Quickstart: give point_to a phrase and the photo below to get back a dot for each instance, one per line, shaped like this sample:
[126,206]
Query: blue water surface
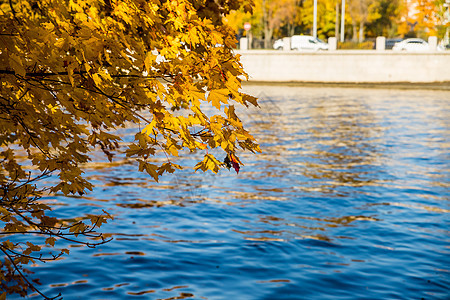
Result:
[348,200]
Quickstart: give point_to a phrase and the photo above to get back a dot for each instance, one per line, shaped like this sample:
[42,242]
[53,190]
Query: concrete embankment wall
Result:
[358,66]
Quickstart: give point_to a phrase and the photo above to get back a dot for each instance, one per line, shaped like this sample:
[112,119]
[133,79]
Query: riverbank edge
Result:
[442,86]
[349,67]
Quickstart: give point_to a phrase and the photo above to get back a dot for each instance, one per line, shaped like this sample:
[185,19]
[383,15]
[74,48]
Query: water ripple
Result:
[349,200]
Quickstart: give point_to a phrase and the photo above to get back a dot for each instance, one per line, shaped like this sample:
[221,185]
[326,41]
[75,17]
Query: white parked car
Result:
[303,43]
[413,44]
[278,44]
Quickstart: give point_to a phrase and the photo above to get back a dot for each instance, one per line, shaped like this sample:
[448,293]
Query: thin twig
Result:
[24,278]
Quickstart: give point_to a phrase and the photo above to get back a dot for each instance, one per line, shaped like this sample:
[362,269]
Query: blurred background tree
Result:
[364,19]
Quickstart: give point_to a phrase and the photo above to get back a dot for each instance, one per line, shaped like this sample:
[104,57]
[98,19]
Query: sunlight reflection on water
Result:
[349,199]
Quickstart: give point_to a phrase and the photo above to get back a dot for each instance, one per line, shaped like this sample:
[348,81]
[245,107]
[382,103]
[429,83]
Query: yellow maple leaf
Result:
[218,96]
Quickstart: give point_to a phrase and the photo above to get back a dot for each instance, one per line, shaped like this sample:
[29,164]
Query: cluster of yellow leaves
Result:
[424,15]
[72,71]
[104,62]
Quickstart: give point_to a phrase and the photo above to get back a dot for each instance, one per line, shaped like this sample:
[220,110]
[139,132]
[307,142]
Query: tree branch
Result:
[26,280]
[65,73]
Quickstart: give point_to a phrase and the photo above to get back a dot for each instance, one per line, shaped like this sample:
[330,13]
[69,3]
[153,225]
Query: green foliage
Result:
[73,71]
[385,16]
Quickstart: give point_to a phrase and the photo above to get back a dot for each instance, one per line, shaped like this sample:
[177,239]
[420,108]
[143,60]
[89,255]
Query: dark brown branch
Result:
[12,9]
[40,258]
[24,278]
[65,73]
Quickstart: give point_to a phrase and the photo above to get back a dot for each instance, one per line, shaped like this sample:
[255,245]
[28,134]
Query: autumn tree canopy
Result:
[72,71]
